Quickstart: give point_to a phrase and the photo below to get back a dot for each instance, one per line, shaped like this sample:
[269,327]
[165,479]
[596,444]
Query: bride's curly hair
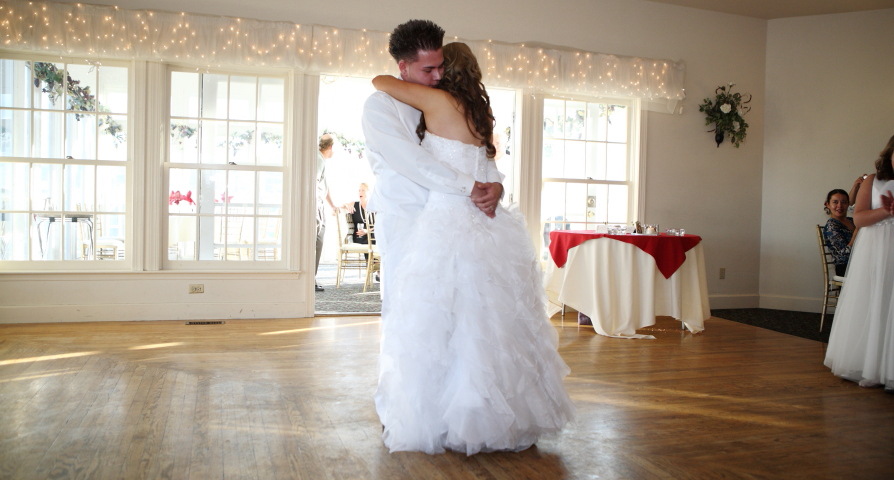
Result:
[883,168]
[462,80]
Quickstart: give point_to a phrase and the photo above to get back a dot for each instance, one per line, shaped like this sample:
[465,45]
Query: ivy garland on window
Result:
[350,145]
[50,80]
[725,112]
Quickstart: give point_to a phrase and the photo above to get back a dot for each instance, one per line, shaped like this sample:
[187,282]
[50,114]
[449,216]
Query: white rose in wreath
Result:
[725,108]
[735,126]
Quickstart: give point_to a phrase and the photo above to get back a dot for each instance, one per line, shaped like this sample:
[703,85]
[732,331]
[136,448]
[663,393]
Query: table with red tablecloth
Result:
[622,282]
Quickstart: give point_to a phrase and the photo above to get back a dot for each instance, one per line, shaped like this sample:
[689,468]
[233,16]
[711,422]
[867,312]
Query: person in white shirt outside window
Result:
[325,153]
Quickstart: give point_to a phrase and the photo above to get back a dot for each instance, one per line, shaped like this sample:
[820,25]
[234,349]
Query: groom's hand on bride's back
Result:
[486,196]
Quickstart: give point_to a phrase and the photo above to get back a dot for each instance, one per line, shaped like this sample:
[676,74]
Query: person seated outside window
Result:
[360,216]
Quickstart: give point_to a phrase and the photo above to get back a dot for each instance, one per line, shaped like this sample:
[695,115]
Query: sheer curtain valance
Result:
[212,42]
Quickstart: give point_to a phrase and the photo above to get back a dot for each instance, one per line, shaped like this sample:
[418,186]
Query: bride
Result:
[469,359]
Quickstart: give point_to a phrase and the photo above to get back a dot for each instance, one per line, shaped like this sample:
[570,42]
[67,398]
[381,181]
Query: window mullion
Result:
[531,158]
[150,225]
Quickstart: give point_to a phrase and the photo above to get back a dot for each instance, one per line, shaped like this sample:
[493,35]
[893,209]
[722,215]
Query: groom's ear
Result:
[403,66]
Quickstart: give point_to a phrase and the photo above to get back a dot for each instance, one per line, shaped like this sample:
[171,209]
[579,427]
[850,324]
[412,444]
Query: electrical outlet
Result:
[722,273]
[196,288]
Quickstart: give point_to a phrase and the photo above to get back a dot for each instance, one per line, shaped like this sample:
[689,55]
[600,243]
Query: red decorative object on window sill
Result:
[177,197]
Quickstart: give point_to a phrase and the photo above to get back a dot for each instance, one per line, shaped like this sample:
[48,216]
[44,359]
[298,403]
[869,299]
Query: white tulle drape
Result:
[95,31]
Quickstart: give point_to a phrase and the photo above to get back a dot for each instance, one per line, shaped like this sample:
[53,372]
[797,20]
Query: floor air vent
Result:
[216,322]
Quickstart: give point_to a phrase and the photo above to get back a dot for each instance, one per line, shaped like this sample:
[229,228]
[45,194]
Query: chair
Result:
[231,231]
[269,239]
[99,247]
[832,282]
[350,254]
[374,262]
[107,248]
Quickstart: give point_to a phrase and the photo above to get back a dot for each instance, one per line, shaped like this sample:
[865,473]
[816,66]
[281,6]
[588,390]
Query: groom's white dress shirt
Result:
[405,173]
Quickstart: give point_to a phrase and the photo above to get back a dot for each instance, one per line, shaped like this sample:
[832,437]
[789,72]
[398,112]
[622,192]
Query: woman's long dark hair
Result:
[462,80]
[883,168]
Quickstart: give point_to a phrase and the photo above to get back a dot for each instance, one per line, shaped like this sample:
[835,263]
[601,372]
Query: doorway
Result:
[341,102]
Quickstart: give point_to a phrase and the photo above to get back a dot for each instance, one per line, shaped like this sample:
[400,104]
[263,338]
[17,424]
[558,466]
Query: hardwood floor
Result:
[293,399]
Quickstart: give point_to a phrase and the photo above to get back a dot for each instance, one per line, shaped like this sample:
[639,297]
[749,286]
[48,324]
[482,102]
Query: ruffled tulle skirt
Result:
[469,359]
[861,344]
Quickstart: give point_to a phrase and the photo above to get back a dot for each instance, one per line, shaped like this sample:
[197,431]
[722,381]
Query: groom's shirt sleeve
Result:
[389,140]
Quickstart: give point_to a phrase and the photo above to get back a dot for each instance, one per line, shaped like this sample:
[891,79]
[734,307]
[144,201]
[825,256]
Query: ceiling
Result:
[770,9]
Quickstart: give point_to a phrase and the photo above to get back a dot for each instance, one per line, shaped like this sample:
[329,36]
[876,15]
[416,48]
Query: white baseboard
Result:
[144,312]
[733,301]
[773,302]
[795,304]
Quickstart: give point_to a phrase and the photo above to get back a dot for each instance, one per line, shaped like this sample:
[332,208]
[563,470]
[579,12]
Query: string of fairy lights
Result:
[213,42]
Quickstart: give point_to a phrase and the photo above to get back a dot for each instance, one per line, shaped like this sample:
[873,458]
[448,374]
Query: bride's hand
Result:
[486,196]
[888,202]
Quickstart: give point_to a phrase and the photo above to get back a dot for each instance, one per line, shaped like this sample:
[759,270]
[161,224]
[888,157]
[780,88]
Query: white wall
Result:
[829,112]
[713,192]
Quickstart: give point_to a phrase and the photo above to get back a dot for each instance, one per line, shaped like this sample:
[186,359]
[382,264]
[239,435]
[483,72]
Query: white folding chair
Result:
[350,255]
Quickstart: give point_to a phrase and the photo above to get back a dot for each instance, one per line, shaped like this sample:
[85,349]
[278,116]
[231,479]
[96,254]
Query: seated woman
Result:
[839,229]
[361,217]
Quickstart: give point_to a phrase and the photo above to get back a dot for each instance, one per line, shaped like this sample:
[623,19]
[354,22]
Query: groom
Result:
[405,172]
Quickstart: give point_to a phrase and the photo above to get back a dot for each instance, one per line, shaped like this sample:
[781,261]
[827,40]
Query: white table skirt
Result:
[621,289]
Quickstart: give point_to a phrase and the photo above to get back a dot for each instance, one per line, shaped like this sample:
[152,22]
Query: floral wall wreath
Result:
[725,113]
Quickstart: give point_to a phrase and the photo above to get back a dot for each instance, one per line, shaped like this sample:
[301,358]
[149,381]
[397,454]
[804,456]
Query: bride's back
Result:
[445,117]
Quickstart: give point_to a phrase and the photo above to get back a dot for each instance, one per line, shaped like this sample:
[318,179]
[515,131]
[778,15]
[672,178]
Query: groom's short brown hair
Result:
[410,37]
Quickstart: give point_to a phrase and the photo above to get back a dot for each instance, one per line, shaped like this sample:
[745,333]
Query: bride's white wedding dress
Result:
[468,357]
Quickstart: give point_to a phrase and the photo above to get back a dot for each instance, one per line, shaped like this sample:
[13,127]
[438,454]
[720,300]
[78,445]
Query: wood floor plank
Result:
[293,456]
[258,398]
[238,455]
[172,459]
[206,460]
[311,461]
[152,407]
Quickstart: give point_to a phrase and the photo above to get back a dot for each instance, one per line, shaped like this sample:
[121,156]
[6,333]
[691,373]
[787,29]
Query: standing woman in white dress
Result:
[469,359]
[861,344]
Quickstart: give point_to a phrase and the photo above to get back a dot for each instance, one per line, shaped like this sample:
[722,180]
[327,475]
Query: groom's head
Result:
[416,47]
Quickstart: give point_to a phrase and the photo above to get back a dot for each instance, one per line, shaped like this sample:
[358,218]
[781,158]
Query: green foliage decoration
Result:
[350,145]
[51,81]
[725,112]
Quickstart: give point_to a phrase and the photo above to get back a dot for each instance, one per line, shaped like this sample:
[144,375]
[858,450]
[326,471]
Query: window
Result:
[63,161]
[225,169]
[588,171]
